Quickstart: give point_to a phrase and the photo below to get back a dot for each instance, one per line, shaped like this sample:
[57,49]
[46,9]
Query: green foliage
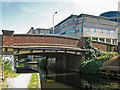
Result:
[43,62]
[34,82]
[94,58]
[8,72]
[7,65]
[107,55]
[90,66]
[108,48]
[92,52]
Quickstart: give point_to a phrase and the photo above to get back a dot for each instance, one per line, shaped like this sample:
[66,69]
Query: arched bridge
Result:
[30,44]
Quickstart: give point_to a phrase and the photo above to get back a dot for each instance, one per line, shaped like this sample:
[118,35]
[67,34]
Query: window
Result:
[80,30]
[101,31]
[57,34]
[42,33]
[94,30]
[72,31]
[67,32]
[38,31]
[108,41]
[87,29]
[63,33]
[114,32]
[101,40]
[94,39]
[108,31]
[114,42]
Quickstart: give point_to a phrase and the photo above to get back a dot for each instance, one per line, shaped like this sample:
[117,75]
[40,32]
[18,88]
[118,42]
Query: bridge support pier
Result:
[72,62]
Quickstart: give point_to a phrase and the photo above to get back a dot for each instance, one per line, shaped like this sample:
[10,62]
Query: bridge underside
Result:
[65,62]
[61,61]
[67,58]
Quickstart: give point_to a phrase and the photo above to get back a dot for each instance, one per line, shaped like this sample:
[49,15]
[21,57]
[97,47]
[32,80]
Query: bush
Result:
[7,65]
[94,58]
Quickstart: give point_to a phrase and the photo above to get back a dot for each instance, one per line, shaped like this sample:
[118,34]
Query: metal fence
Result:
[1,70]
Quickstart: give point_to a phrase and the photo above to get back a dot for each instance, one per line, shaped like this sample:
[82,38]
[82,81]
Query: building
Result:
[98,28]
[111,15]
[114,16]
[40,31]
[101,30]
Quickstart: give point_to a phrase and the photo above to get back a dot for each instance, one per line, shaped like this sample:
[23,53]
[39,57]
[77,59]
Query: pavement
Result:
[21,81]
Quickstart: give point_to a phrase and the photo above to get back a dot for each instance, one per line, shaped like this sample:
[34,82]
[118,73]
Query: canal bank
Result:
[111,67]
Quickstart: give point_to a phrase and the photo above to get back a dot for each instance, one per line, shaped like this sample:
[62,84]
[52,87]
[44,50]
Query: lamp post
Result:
[53,21]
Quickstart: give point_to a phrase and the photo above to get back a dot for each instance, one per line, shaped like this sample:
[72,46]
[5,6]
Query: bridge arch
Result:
[66,50]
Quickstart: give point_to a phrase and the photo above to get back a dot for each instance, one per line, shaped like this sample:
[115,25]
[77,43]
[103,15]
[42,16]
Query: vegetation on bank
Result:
[34,82]
[8,73]
[94,58]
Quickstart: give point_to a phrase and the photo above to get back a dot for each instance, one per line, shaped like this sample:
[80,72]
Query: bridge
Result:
[66,50]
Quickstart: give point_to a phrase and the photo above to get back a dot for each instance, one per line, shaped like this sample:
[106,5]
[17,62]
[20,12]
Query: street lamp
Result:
[53,21]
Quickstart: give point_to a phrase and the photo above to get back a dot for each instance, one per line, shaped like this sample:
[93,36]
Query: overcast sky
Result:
[21,15]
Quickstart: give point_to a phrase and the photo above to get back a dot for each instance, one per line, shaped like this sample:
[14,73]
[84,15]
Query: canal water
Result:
[76,81]
[67,80]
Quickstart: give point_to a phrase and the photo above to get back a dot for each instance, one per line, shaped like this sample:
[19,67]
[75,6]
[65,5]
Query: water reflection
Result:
[64,79]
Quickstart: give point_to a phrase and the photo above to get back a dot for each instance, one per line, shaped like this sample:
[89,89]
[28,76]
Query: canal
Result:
[58,80]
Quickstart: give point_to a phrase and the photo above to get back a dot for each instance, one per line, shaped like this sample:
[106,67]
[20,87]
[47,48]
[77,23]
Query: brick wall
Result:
[21,39]
[7,38]
[103,46]
[44,39]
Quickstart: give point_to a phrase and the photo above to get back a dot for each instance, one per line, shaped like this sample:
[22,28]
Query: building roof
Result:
[110,14]
[41,29]
[82,15]
[71,16]
[92,16]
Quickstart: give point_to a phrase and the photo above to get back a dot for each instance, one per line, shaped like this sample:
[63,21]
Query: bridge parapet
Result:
[10,39]
[44,39]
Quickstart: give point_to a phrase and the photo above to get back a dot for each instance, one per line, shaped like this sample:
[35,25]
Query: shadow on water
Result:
[26,68]
[76,81]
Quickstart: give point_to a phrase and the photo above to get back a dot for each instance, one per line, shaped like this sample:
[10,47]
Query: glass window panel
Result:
[101,31]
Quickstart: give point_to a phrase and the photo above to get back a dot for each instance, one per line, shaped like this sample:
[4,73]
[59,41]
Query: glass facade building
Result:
[99,28]
[111,15]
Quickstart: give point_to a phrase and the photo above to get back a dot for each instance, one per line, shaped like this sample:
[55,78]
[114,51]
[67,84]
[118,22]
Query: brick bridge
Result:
[66,50]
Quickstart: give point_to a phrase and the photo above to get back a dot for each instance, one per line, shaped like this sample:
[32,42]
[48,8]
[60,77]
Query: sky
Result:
[21,15]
